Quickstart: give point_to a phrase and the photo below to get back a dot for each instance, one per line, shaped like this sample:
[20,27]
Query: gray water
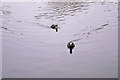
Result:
[31,49]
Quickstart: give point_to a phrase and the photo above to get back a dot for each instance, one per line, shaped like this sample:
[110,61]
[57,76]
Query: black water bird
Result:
[70,45]
[53,26]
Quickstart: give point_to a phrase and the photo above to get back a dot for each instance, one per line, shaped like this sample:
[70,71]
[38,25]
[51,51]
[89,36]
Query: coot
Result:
[70,45]
[53,26]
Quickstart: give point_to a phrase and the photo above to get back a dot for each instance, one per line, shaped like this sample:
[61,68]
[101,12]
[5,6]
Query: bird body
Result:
[70,45]
[53,26]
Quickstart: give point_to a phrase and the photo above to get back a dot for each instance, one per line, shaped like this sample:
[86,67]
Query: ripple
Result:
[6,12]
[88,32]
[57,11]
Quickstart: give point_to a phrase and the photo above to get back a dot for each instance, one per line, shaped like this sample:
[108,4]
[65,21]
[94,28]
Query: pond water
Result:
[31,49]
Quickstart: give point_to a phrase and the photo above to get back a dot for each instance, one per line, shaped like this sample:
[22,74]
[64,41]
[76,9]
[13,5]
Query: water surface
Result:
[31,49]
